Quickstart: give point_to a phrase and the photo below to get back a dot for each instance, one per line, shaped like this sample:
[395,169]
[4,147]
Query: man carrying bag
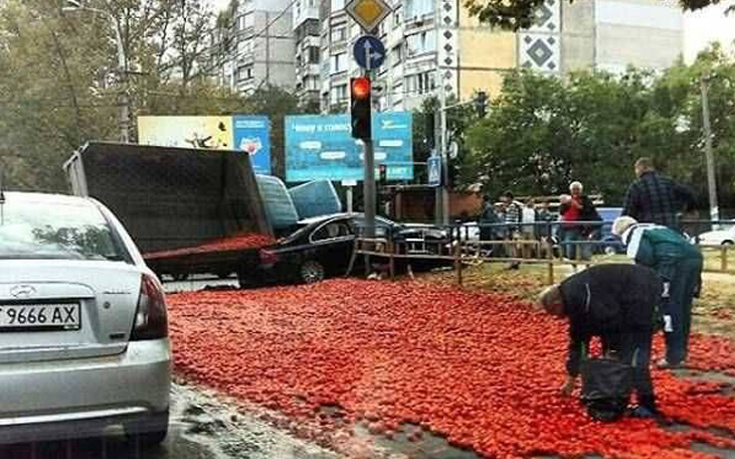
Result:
[616,302]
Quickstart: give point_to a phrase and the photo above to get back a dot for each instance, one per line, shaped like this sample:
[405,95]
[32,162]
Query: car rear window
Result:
[64,230]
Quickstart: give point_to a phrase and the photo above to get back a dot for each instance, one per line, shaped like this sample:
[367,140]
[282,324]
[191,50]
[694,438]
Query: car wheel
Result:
[311,272]
[727,242]
[610,250]
[249,279]
[149,433]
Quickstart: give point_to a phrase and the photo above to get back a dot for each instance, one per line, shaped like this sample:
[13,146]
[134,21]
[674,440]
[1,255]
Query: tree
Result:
[459,118]
[519,14]
[60,81]
[543,132]
[680,88]
[51,92]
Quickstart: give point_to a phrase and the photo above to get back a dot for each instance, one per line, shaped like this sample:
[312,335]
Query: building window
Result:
[396,55]
[397,18]
[244,47]
[339,94]
[311,27]
[418,8]
[420,43]
[421,83]
[339,63]
[311,83]
[313,54]
[339,34]
[245,73]
[246,21]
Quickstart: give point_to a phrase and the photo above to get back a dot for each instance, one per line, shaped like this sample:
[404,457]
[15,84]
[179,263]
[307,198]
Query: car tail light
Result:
[267,257]
[151,321]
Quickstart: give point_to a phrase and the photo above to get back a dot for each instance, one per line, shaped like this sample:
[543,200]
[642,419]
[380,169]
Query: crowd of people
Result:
[624,305]
[510,220]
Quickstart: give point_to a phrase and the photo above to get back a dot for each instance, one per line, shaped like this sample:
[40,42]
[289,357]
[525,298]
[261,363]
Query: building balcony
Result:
[305,15]
[423,21]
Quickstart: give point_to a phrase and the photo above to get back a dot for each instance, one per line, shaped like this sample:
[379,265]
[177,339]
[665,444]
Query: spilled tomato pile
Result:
[481,369]
[240,242]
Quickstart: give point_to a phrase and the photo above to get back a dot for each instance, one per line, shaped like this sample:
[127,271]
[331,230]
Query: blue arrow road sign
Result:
[369,52]
[435,170]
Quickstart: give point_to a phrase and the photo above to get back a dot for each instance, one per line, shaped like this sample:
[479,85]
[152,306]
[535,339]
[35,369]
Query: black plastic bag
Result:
[607,384]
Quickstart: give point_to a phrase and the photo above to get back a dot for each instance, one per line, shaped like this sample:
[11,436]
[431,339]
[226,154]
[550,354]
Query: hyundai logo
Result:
[22,291]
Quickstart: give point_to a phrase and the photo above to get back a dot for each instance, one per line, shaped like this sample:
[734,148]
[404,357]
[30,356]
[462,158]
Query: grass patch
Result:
[713,313]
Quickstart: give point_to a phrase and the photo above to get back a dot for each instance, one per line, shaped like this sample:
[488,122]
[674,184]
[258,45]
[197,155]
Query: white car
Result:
[719,237]
[83,326]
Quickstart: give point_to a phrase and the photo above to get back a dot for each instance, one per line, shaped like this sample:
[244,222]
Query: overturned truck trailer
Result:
[189,211]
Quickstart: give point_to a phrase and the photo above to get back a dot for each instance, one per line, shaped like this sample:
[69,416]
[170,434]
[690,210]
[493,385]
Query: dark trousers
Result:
[569,237]
[683,285]
[634,348]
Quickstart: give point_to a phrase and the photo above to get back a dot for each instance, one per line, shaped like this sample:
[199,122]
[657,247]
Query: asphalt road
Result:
[202,426]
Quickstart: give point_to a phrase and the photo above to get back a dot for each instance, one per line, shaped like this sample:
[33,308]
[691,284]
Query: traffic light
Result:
[361,109]
[382,173]
[481,101]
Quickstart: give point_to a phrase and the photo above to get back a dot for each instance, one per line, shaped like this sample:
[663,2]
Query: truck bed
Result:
[181,206]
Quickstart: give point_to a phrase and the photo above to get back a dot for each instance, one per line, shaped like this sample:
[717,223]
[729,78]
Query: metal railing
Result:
[544,243]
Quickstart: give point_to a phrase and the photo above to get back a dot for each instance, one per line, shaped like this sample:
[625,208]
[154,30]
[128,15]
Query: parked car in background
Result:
[323,247]
[717,237]
[83,326]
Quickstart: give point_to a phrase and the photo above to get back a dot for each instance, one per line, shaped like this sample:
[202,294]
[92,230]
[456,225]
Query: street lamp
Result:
[73,6]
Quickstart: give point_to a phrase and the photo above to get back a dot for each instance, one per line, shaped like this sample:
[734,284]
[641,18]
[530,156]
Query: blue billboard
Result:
[252,135]
[322,147]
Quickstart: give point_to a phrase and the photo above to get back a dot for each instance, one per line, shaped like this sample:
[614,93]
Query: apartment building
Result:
[434,45]
[256,48]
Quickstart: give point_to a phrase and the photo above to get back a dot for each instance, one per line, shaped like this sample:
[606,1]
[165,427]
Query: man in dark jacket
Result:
[656,199]
[616,302]
[679,263]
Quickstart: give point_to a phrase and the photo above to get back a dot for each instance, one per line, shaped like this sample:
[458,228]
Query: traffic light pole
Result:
[369,188]
[369,191]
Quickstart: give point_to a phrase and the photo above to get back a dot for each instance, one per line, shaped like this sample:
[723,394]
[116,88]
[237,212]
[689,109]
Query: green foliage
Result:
[459,118]
[60,82]
[519,14]
[543,132]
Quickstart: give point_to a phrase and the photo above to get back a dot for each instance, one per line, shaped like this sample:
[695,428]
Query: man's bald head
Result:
[643,165]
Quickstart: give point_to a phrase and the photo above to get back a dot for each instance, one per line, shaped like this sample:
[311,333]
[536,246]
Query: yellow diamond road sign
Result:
[368,13]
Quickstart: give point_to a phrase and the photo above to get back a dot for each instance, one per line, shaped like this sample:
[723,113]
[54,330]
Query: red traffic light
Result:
[361,88]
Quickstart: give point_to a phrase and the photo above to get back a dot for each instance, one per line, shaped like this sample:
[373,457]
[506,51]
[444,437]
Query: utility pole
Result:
[711,177]
[267,48]
[124,98]
[441,194]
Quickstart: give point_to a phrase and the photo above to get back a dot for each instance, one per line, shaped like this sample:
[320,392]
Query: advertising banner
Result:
[252,135]
[322,148]
[209,132]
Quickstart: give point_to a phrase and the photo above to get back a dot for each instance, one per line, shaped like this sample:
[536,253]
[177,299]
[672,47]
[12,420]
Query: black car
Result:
[323,246]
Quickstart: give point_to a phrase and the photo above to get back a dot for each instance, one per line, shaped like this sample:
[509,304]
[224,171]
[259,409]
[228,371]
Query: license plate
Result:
[40,317]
